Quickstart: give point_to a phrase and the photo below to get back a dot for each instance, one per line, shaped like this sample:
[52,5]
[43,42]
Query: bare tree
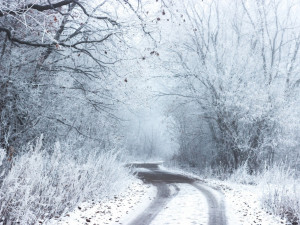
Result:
[239,60]
[58,57]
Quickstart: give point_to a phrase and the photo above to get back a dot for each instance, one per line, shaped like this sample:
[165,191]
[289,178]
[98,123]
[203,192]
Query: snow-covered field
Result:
[118,210]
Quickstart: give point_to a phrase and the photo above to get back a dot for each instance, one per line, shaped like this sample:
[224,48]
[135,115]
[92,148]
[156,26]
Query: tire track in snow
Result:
[162,198]
[161,179]
[216,211]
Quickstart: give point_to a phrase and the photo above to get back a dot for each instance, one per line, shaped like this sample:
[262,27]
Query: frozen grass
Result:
[281,192]
[280,189]
[242,176]
[40,185]
[119,209]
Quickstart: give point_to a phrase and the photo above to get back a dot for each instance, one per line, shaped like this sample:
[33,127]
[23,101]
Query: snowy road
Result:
[170,185]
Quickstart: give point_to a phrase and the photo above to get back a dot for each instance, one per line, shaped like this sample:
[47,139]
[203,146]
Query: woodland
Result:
[86,86]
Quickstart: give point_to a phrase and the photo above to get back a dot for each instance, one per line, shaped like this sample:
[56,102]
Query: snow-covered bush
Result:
[280,188]
[281,192]
[242,175]
[43,185]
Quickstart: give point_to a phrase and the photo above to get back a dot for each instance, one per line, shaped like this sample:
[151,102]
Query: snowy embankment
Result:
[188,206]
[243,204]
[119,209]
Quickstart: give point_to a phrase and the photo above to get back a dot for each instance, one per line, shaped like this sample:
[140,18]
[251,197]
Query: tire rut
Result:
[162,198]
[216,208]
[162,179]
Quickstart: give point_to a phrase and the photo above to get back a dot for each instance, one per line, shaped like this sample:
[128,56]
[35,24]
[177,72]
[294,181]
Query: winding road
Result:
[163,180]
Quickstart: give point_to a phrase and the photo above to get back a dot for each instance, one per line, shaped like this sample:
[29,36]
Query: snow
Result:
[188,207]
[159,162]
[242,202]
[176,170]
[117,210]
[139,170]
[243,206]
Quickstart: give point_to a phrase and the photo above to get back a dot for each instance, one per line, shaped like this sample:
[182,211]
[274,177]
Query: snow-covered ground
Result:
[189,206]
[118,210]
[243,204]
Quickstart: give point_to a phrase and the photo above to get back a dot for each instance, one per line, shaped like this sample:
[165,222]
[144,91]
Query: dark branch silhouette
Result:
[37,7]
[53,44]
[54,6]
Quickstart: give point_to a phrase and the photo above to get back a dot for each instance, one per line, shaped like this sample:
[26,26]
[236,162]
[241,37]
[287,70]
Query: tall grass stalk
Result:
[42,185]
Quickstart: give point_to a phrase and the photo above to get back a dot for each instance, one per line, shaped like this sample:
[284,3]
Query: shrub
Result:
[281,192]
[242,175]
[42,185]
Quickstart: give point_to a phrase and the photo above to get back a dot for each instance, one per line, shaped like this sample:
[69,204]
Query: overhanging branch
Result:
[53,44]
[12,39]
[53,6]
[37,7]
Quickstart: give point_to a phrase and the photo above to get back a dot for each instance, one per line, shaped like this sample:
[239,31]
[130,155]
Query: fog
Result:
[210,85]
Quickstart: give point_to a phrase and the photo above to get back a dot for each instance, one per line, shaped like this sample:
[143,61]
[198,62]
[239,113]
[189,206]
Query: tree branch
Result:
[54,6]
[12,39]
[37,7]
[113,22]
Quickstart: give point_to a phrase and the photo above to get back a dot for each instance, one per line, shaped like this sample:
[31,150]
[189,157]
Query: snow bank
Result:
[243,206]
[244,203]
[119,209]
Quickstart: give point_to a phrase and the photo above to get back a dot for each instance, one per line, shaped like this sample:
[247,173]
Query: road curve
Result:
[162,179]
[216,209]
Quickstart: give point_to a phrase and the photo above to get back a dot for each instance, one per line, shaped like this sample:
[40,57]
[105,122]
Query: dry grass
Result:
[40,186]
